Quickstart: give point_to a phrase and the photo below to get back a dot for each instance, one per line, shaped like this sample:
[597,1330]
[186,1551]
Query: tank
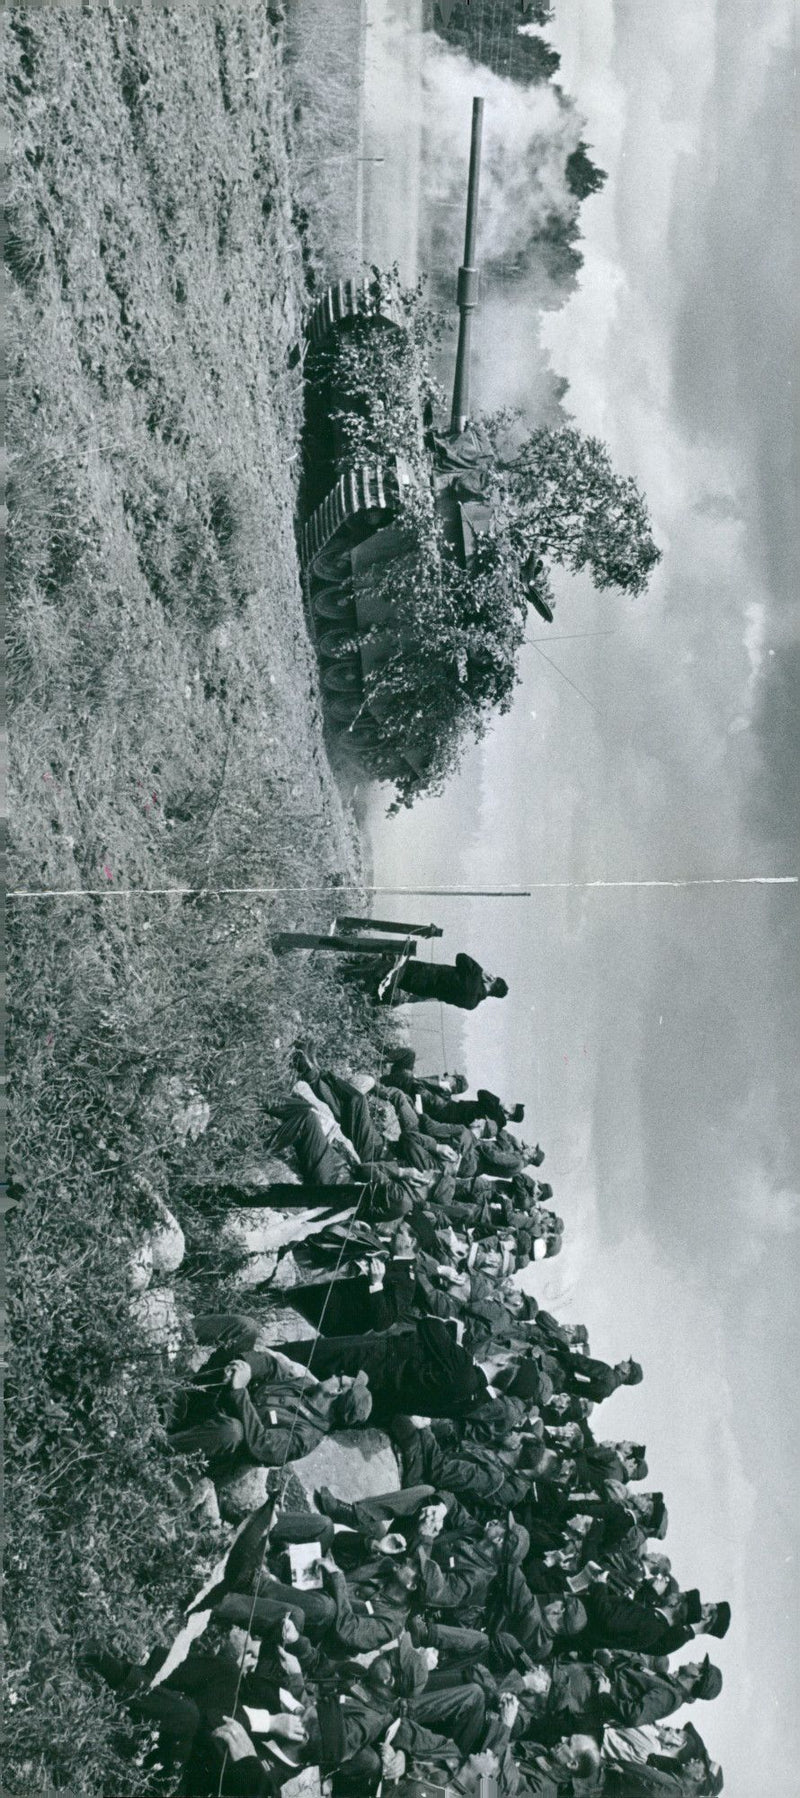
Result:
[373,523]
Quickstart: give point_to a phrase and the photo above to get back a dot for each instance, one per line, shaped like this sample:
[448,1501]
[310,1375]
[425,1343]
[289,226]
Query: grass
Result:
[167,733]
[325,47]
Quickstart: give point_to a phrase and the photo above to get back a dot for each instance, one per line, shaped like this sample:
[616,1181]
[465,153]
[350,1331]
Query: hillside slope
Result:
[166,735]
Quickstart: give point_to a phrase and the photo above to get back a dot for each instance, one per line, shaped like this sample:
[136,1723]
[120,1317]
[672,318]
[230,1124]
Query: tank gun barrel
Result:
[467,290]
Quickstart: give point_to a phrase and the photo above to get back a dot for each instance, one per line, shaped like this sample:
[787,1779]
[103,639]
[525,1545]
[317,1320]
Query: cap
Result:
[709,1681]
[356,1405]
[694,1742]
[721,1621]
[379,1675]
[657,1525]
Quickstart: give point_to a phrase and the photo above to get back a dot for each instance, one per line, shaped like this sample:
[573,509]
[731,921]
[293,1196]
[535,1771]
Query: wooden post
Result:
[342,925]
[287,940]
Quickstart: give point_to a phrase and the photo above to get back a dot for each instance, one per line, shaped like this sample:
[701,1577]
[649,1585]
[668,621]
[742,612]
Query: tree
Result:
[533,58]
[472,625]
[498,33]
[583,175]
[568,506]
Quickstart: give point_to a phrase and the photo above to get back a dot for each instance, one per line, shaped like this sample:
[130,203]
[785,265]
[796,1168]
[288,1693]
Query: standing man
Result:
[462,983]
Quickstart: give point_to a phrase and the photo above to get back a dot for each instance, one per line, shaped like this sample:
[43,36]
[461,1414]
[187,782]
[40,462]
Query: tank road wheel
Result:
[342,711]
[343,677]
[364,735]
[334,646]
[334,605]
[332,564]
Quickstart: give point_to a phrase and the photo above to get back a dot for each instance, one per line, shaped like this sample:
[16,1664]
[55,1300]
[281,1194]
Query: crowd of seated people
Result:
[503,1619]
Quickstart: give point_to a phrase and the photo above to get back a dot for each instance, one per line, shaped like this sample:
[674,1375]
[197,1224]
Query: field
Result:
[166,735]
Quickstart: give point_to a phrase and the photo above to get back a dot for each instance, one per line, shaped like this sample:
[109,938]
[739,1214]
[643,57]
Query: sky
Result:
[654,1033]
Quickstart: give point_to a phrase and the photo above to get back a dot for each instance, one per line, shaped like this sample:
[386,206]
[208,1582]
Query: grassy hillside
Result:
[325,51]
[167,734]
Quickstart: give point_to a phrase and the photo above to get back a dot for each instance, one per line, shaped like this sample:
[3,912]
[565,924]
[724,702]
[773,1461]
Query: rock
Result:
[241,1493]
[254,1270]
[364,1082]
[354,1463]
[282,1326]
[270,1171]
[281,1273]
[157,1316]
[257,1231]
[140,1267]
[204,1503]
[167,1243]
[287,1274]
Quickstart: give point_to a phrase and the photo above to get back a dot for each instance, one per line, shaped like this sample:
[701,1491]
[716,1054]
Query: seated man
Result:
[415,1368]
[420,1139]
[262,1404]
[399,1071]
[662,1749]
[342,1101]
[482,1477]
[614,1621]
[501,1157]
[341,1731]
[351,1613]
[338,1144]
[550,1773]
[416,1511]
[643,1693]
[595,1380]
[351,1109]
[466,1111]
[191,1710]
[560,1697]
[382,1187]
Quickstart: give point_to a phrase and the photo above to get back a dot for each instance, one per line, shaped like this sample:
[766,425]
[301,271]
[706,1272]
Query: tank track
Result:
[350,300]
[378,487]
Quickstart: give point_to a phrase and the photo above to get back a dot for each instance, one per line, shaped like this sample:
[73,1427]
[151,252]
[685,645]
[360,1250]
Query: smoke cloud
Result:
[528,134]
[415,146]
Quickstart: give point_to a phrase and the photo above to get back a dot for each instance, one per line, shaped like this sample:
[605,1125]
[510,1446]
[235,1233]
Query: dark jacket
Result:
[411,1369]
[588,1378]
[617,1622]
[459,983]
